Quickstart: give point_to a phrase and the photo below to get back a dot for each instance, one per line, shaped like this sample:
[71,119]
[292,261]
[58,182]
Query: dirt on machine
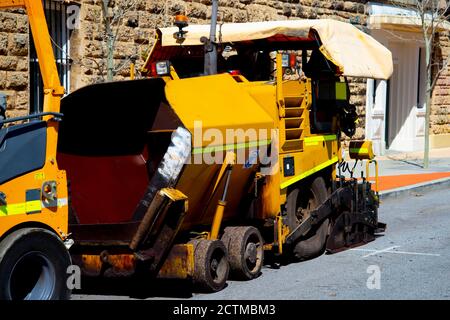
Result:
[225,153]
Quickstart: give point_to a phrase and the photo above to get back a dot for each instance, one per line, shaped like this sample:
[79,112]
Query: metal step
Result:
[292,145]
[293,134]
[294,112]
[293,101]
[291,123]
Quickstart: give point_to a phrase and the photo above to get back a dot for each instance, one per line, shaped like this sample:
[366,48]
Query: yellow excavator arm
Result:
[41,37]
[53,91]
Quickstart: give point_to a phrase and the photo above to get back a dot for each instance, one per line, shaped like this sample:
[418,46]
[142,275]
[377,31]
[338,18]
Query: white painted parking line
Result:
[380,251]
[417,253]
[389,250]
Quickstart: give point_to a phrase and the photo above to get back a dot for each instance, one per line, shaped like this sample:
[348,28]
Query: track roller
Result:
[245,251]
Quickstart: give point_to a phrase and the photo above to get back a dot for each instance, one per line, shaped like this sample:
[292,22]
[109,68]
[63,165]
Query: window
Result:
[421,79]
[329,96]
[56,16]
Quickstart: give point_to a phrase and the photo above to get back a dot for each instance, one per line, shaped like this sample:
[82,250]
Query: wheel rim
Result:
[303,211]
[33,277]
[218,266]
[253,253]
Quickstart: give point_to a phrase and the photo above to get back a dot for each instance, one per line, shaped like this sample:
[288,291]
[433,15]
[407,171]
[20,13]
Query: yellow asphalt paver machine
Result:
[228,151]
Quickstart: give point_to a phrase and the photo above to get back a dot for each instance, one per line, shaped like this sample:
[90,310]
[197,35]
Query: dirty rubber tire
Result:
[33,266]
[211,266]
[313,244]
[245,252]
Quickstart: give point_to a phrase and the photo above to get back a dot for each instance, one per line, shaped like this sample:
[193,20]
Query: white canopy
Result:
[355,53]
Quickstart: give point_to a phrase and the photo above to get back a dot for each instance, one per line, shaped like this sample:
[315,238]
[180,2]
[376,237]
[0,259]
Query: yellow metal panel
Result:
[231,147]
[197,182]
[179,264]
[294,88]
[309,172]
[173,194]
[341,91]
[361,150]
[271,198]
[15,211]
[265,95]
[315,140]
[220,103]
[279,84]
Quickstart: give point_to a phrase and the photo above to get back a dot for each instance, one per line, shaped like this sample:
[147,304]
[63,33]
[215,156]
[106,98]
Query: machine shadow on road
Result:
[135,288]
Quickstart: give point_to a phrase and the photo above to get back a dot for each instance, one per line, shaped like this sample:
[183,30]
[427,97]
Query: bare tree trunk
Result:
[110,59]
[428,37]
[429,91]
[109,41]
[426,155]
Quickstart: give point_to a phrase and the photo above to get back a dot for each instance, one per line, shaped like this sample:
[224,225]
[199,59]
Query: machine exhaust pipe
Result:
[210,44]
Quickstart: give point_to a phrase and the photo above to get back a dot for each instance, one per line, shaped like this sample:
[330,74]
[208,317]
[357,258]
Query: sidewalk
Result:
[404,171]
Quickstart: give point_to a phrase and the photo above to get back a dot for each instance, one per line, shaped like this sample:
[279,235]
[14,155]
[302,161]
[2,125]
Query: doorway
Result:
[405,98]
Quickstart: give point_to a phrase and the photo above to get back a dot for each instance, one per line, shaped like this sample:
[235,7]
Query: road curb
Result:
[415,188]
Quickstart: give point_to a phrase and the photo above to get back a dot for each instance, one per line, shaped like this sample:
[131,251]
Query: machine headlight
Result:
[162,68]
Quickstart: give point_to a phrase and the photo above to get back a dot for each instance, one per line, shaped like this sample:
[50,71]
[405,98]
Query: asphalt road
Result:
[411,261]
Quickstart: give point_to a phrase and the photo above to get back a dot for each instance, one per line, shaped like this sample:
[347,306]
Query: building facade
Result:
[392,113]
[396,109]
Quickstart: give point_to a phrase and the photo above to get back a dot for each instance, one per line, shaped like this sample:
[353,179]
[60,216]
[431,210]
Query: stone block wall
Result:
[136,35]
[440,109]
[14,45]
